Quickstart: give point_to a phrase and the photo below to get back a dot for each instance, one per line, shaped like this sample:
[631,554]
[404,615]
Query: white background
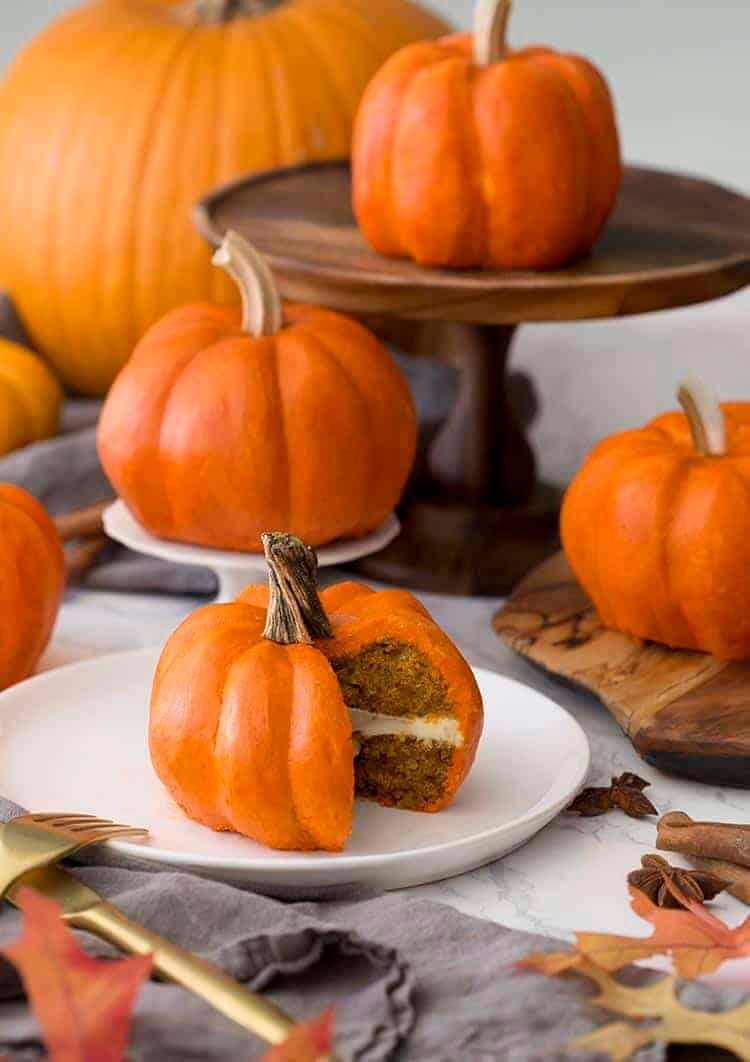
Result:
[680,71]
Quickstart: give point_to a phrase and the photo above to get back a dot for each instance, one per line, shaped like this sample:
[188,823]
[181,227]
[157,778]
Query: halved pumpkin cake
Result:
[414,703]
[270,712]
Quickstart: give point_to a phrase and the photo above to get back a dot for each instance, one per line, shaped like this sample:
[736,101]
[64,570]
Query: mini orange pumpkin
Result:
[466,154]
[216,429]
[32,571]
[656,527]
[249,730]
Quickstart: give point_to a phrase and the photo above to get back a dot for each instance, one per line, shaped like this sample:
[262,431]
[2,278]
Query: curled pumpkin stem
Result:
[490,30]
[705,417]
[262,313]
[295,612]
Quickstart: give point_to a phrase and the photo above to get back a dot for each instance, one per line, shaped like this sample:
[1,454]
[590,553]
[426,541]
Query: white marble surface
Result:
[571,876]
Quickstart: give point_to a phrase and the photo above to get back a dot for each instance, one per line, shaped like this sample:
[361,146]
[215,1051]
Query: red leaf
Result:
[83,1005]
[307,1042]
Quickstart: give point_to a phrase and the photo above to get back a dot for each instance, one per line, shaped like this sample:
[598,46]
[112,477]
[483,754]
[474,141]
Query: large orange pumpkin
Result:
[467,154]
[218,429]
[120,114]
[249,728]
[656,527]
[32,574]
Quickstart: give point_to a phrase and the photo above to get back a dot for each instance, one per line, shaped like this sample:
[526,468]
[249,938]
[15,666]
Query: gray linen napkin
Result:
[410,979]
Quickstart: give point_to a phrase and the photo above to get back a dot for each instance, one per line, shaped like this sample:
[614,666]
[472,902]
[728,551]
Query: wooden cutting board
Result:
[685,713]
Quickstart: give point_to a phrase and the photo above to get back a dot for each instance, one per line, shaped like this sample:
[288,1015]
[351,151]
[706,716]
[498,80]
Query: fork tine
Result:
[108,828]
[127,831]
[74,824]
[57,817]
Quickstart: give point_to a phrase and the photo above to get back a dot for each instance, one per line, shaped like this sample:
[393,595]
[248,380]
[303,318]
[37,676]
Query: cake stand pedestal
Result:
[474,519]
[234,570]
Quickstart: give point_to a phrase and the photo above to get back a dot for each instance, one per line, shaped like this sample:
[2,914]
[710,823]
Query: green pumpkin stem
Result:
[295,612]
[262,313]
[490,30]
[705,417]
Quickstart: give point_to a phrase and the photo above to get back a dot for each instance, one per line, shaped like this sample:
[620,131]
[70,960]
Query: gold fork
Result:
[29,840]
[30,846]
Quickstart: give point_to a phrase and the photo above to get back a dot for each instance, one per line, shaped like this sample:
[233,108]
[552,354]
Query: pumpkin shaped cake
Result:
[267,714]
[656,527]
[467,154]
[296,418]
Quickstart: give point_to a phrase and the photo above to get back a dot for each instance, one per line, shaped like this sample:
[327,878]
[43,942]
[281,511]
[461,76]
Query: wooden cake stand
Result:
[474,519]
[686,713]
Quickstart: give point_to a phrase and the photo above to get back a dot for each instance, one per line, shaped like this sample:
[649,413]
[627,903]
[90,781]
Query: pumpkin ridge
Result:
[674,487]
[394,223]
[436,68]
[307,340]
[355,20]
[162,425]
[13,356]
[71,133]
[373,450]
[330,69]
[15,403]
[146,168]
[285,468]
[309,108]
[153,241]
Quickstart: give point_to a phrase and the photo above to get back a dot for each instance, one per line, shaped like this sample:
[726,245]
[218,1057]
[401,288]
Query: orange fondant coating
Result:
[212,436]
[255,737]
[659,535]
[515,165]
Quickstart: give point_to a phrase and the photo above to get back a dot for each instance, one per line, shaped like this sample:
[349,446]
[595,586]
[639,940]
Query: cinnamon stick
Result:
[736,877]
[723,841]
[82,522]
[81,557]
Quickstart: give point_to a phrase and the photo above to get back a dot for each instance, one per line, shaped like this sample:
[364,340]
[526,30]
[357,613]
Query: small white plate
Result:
[76,739]
[235,570]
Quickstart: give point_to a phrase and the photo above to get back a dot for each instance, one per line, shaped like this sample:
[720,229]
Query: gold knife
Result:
[85,909]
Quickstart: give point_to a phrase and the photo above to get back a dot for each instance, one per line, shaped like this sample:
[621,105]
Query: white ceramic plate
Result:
[75,739]
[233,569]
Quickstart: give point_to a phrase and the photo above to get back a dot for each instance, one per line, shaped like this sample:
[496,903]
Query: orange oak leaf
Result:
[309,1041]
[83,1005]
[697,941]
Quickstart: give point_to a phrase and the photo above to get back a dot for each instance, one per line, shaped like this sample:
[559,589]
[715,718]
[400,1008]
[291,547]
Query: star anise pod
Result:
[655,872]
[625,792]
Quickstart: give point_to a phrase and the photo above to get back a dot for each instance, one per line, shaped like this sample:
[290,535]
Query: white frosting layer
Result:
[444,728]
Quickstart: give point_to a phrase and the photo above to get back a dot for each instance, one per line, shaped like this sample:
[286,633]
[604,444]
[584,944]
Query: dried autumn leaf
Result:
[697,941]
[674,1023]
[307,1042]
[83,1005]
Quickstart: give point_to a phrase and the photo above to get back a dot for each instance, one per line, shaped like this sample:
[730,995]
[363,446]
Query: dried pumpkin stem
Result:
[490,30]
[262,314]
[295,612]
[705,417]
[215,11]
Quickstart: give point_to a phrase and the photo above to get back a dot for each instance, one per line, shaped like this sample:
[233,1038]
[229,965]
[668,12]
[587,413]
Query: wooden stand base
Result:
[467,549]
[474,520]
